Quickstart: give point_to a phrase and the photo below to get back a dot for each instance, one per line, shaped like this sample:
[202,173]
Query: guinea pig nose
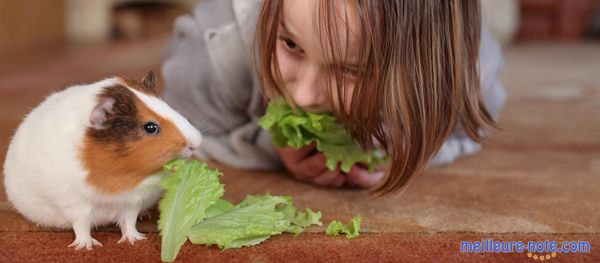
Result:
[192,146]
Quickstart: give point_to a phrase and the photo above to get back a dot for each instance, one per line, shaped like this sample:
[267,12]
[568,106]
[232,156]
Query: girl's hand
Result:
[307,165]
[359,176]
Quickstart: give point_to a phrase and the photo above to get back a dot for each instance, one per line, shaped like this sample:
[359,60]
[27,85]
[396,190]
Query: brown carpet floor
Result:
[538,179]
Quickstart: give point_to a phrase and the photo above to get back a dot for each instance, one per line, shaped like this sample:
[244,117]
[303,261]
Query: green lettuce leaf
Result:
[300,220]
[351,230]
[219,207]
[190,189]
[191,208]
[250,222]
[297,128]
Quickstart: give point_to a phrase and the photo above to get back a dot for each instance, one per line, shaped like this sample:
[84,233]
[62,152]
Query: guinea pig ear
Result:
[149,80]
[101,112]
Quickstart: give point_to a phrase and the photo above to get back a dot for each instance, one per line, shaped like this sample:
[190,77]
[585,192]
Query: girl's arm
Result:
[458,144]
[209,79]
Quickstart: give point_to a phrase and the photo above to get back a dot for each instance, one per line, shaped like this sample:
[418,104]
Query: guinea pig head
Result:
[132,134]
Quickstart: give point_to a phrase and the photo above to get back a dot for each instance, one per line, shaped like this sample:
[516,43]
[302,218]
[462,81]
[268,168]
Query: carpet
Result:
[536,179]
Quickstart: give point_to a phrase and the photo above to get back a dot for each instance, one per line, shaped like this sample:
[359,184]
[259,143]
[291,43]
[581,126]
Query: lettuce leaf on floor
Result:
[351,230]
[191,207]
[189,190]
[250,222]
[300,220]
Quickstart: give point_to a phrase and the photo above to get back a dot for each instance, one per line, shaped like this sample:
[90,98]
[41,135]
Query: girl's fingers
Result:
[312,166]
[362,178]
[298,164]
[296,154]
[341,180]
[327,178]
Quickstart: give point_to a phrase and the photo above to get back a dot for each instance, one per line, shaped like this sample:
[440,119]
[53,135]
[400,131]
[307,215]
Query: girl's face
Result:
[302,59]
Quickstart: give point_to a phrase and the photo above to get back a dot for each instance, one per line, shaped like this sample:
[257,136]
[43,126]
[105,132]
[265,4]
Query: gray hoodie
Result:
[209,79]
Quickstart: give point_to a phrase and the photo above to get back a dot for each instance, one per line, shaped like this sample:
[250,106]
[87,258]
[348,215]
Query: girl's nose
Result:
[309,91]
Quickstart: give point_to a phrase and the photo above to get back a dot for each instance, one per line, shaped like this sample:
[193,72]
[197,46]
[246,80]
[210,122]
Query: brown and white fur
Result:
[89,155]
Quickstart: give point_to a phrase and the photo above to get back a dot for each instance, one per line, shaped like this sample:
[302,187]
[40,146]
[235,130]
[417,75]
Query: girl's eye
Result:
[349,71]
[290,44]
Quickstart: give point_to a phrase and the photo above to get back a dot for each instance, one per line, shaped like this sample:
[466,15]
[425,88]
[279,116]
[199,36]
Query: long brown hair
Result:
[418,75]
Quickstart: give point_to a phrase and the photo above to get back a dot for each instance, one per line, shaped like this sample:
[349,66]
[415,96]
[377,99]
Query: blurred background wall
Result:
[38,24]
[558,19]
[25,24]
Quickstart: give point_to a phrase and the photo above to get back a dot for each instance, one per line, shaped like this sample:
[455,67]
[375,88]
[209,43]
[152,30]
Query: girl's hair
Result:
[417,75]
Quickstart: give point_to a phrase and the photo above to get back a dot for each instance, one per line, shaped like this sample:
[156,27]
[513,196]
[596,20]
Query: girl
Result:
[405,74]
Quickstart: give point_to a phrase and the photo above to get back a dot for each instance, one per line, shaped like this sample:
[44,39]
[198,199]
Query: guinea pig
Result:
[92,154]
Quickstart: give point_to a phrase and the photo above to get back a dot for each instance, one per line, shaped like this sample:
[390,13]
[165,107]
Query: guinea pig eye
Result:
[151,128]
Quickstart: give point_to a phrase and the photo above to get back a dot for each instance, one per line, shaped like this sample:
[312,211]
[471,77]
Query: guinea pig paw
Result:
[145,214]
[86,243]
[131,237]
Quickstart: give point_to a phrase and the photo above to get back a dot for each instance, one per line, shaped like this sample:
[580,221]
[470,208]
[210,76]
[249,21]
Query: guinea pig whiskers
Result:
[202,129]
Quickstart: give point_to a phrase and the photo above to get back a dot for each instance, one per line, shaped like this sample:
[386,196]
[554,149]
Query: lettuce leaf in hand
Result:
[190,189]
[250,222]
[298,128]
[351,230]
